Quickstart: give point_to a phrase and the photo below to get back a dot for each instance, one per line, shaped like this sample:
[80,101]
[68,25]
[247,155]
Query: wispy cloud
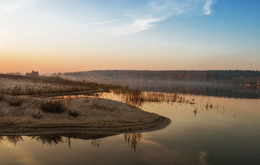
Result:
[207,8]
[136,25]
[149,15]
[106,22]
[13,5]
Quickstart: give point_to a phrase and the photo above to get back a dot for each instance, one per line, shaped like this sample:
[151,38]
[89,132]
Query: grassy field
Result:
[42,85]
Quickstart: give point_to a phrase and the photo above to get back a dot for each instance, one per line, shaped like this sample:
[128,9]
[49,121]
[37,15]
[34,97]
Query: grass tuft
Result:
[37,114]
[16,101]
[53,107]
[2,97]
[73,113]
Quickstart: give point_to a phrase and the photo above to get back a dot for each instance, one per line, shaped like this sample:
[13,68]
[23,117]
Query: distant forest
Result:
[215,76]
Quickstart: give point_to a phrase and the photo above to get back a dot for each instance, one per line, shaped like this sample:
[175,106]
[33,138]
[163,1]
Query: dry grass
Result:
[73,113]
[45,85]
[52,107]
[15,101]
[2,97]
[37,114]
[96,102]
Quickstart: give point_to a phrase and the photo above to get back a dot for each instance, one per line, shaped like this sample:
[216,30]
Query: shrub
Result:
[16,91]
[2,97]
[16,101]
[37,114]
[53,107]
[73,113]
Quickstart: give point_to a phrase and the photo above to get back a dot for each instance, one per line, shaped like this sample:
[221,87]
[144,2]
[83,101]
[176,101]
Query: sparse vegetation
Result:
[37,114]
[53,107]
[15,101]
[50,86]
[2,97]
[16,91]
[96,102]
[133,97]
[49,139]
[73,113]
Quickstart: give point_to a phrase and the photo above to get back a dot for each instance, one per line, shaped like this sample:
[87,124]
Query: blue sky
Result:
[129,34]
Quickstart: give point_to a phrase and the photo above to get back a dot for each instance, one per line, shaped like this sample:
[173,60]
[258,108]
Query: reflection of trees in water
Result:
[133,139]
[14,139]
[95,142]
[11,139]
[2,139]
[49,139]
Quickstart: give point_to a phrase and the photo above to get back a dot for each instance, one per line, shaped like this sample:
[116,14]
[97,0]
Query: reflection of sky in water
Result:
[228,134]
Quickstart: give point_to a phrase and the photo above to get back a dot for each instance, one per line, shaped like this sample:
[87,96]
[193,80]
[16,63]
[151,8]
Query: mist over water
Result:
[183,87]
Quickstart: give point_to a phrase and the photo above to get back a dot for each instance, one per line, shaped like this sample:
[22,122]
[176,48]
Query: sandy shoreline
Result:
[78,115]
[95,115]
[82,129]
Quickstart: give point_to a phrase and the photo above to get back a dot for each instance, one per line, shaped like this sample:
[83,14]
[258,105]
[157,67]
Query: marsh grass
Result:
[52,107]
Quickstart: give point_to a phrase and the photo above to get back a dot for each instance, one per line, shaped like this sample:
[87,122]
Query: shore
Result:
[25,114]
[94,115]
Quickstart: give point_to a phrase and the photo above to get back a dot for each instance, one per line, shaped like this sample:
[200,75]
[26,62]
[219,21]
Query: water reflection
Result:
[133,139]
[11,139]
[223,131]
[95,142]
[138,99]
[186,87]
[49,139]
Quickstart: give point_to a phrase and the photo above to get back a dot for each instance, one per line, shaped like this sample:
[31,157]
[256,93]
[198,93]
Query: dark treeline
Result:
[222,76]
[236,84]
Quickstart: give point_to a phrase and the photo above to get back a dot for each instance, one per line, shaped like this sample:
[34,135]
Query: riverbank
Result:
[45,114]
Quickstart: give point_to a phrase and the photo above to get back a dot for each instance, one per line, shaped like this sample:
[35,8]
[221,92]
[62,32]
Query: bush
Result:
[16,101]
[73,113]
[37,114]
[53,107]
[2,97]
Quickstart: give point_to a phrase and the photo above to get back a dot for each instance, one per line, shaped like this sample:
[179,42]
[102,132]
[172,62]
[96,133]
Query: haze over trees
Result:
[216,76]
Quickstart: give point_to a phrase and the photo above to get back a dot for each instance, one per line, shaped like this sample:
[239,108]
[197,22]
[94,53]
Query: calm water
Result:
[226,132]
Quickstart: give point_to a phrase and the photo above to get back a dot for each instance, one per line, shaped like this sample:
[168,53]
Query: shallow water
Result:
[227,132]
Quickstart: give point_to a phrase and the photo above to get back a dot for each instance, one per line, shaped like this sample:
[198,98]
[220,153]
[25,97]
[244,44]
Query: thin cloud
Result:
[13,5]
[106,22]
[149,15]
[137,25]
[207,8]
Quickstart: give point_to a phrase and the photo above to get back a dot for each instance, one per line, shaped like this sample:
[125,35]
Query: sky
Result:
[80,35]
